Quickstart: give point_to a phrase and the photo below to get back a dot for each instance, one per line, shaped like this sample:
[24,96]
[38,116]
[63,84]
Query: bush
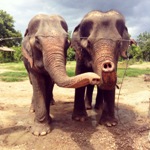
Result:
[70,54]
[17,54]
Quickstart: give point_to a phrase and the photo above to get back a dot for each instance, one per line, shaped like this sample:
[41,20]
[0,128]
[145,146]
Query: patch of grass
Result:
[17,72]
[14,72]
[70,72]
[70,67]
[13,76]
[13,66]
[132,72]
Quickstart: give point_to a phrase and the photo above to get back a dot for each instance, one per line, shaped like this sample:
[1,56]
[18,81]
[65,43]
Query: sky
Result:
[136,12]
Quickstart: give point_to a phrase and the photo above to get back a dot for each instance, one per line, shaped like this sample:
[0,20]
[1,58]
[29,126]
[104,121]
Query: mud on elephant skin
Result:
[99,40]
[44,50]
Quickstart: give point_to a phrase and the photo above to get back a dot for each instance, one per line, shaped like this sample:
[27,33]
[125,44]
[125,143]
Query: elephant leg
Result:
[88,96]
[99,99]
[108,114]
[79,112]
[52,102]
[49,92]
[41,105]
[49,89]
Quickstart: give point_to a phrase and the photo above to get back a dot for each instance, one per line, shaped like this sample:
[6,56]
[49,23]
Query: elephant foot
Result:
[108,121]
[96,107]
[79,116]
[40,129]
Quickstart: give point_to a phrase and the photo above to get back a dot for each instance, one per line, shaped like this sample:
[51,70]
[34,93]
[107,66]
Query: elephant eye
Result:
[119,43]
[88,44]
[37,43]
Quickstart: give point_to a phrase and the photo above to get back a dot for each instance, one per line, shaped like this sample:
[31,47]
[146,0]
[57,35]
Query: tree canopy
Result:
[7,30]
[144,43]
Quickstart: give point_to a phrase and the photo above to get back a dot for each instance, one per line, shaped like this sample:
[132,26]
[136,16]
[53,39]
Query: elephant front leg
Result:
[108,114]
[79,112]
[41,105]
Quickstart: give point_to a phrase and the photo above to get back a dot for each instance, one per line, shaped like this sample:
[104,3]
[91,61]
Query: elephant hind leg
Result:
[88,96]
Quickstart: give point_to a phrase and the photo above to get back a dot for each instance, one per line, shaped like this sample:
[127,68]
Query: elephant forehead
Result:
[103,14]
[112,13]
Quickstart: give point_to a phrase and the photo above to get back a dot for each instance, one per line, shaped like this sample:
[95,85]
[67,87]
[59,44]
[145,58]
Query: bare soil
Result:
[132,132]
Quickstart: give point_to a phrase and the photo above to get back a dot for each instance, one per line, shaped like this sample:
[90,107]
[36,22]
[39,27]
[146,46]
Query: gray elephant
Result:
[99,40]
[44,50]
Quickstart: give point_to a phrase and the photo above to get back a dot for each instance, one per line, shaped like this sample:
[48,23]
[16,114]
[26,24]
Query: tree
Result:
[70,51]
[135,52]
[144,43]
[8,35]
[7,30]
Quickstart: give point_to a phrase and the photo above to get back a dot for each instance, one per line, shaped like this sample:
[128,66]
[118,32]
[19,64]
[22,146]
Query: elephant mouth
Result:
[109,80]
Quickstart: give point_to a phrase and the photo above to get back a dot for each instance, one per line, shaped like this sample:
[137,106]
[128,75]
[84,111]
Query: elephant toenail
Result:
[43,133]
[108,124]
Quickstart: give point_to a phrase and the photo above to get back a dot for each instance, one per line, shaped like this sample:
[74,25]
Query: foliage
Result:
[144,44]
[17,53]
[70,54]
[9,36]
[7,30]
[70,51]
[135,52]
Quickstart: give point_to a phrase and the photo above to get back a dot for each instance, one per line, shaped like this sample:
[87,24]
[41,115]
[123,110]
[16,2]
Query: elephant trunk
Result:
[54,62]
[105,66]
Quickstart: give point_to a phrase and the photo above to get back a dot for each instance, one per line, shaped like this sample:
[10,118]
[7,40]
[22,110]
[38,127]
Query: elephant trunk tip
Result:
[94,79]
[80,80]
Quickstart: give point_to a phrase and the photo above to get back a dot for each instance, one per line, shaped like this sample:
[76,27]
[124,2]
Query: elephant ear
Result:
[125,43]
[26,49]
[75,42]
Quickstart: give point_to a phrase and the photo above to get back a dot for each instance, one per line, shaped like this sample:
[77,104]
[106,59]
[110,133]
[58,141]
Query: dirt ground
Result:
[132,132]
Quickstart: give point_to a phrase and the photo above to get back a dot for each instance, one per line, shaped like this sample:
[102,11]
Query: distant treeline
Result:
[139,52]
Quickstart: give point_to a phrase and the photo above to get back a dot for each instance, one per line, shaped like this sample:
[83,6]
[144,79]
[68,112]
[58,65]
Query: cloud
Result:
[136,12]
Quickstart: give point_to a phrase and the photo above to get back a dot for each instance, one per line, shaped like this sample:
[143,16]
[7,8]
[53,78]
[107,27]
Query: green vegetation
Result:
[140,52]
[132,72]
[10,38]
[10,76]
[14,72]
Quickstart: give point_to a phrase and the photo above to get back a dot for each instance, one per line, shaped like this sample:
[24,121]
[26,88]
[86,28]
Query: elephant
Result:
[99,40]
[44,49]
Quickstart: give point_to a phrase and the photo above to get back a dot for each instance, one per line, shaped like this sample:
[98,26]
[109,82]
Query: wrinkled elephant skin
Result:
[44,50]
[99,40]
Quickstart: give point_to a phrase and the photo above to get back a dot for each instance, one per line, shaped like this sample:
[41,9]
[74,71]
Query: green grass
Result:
[14,72]
[13,66]
[132,72]
[13,76]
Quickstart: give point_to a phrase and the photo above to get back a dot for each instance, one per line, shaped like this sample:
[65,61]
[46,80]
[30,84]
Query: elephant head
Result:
[99,40]
[44,47]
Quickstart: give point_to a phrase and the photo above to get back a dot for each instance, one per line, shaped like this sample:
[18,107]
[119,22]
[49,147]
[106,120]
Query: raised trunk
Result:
[54,62]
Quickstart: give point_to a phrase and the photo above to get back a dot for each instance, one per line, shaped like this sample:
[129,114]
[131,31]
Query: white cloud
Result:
[136,12]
